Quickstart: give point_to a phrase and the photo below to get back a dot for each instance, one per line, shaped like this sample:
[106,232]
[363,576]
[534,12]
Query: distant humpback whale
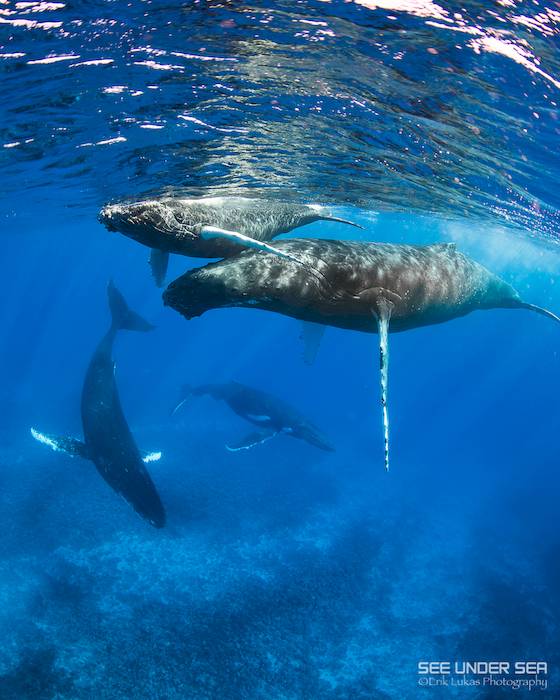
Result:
[108,442]
[271,415]
[186,226]
[369,287]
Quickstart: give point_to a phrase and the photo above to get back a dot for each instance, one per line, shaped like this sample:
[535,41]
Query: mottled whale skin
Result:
[174,225]
[270,414]
[108,441]
[371,287]
[177,225]
[338,283]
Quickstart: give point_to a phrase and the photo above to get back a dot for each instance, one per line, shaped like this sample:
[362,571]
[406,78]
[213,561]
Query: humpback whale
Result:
[271,415]
[370,287]
[188,226]
[108,442]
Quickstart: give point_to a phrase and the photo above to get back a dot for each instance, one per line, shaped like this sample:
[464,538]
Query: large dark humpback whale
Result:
[367,287]
[271,415]
[187,226]
[108,442]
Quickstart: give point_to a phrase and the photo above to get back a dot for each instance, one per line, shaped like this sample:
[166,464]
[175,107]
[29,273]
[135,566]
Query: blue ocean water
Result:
[284,572]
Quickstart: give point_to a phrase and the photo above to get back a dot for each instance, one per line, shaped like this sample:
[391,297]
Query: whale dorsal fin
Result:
[251,440]
[311,334]
[159,261]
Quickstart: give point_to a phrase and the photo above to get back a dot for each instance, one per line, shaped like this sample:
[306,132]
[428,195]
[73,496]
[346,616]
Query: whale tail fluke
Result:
[539,310]
[122,316]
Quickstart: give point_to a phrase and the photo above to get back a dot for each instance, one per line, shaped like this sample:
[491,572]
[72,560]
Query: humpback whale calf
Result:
[271,415]
[188,226]
[369,287]
[108,442]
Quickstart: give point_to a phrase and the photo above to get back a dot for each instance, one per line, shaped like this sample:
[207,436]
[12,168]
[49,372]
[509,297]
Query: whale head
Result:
[152,222]
[252,279]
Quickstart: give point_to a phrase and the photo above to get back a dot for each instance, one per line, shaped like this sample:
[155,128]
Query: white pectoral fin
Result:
[382,303]
[148,457]
[383,319]
[71,446]
[209,232]
[179,405]
[311,334]
[251,440]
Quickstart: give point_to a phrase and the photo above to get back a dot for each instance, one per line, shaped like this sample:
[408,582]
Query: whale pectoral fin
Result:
[209,232]
[311,334]
[159,260]
[71,446]
[148,457]
[382,302]
[382,312]
[538,310]
[337,219]
[251,440]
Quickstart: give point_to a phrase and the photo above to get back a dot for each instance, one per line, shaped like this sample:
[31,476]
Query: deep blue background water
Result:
[284,572]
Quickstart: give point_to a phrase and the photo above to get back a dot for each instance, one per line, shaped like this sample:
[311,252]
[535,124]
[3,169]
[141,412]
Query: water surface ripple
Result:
[396,105]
